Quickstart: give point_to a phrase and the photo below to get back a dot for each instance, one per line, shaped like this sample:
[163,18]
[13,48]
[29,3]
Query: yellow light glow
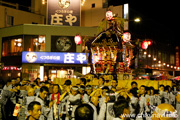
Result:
[137,20]
[86,70]
[82,2]
[43,2]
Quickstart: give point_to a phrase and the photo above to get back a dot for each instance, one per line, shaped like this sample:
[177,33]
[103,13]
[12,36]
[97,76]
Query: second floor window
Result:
[12,47]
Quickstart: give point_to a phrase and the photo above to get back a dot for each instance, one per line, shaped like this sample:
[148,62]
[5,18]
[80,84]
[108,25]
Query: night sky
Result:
[159,19]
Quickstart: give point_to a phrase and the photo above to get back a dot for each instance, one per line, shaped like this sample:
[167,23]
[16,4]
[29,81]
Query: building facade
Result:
[53,41]
[11,16]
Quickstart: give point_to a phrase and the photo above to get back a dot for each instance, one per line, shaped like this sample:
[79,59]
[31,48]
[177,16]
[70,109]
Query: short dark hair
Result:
[19,78]
[105,88]
[31,105]
[143,86]
[83,80]
[134,92]
[44,88]
[67,82]
[133,83]
[161,85]
[119,107]
[82,86]
[17,84]
[84,112]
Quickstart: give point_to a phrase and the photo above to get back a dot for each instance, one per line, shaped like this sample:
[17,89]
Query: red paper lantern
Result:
[145,44]
[77,39]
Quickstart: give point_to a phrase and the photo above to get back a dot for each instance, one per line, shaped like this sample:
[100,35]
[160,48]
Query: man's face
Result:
[161,88]
[142,90]
[81,91]
[55,89]
[43,94]
[74,92]
[18,80]
[31,92]
[114,83]
[13,82]
[36,112]
[89,91]
[134,85]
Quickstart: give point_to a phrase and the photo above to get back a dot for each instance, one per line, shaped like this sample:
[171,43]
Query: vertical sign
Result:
[64,12]
[177,56]
[126,16]
[126,11]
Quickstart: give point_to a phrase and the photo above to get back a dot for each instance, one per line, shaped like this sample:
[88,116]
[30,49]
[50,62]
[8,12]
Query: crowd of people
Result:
[22,99]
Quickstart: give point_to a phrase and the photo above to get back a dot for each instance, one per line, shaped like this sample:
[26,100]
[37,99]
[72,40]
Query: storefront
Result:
[52,65]
[53,41]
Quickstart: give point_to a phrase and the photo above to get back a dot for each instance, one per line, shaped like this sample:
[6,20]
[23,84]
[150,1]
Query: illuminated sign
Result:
[64,12]
[11,68]
[54,57]
[126,11]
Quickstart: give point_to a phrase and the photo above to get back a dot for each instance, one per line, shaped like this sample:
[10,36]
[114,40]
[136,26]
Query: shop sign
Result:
[54,57]
[64,12]
[11,68]
[177,57]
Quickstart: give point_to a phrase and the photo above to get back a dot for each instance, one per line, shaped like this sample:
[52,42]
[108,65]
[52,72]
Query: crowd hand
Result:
[60,114]
[62,96]
[67,89]
[97,91]
[51,104]
[128,94]
[13,90]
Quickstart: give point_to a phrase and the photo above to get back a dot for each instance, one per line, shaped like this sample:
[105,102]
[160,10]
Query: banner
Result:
[177,57]
[64,12]
[54,57]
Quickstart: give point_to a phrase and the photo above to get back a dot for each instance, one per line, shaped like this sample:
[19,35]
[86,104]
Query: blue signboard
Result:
[54,57]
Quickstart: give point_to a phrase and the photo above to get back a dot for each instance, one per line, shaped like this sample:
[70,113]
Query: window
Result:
[10,20]
[93,5]
[34,43]
[12,46]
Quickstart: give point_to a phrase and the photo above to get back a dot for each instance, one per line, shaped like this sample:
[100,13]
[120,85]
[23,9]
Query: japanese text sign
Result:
[64,12]
[54,57]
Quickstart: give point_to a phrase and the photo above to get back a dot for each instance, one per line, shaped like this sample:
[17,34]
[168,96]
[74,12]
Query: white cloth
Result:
[133,102]
[95,116]
[7,87]
[117,119]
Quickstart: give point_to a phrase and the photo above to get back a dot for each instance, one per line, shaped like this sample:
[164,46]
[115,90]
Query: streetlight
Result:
[137,20]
